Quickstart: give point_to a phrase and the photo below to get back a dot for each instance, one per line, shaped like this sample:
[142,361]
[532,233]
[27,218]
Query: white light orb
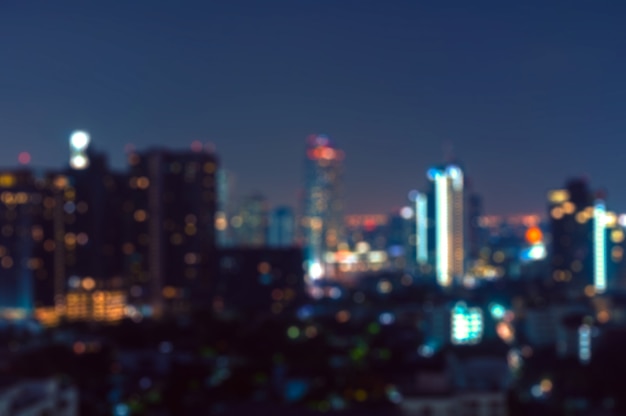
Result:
[79,162]
[79,140]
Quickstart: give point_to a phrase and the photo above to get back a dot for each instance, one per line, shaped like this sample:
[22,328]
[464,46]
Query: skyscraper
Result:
[282,227]
[449,219]
[252,221]
[322,220]
[579,234]
[170,248]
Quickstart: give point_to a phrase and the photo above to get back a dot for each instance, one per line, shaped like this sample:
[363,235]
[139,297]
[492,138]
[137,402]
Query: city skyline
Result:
[507,104]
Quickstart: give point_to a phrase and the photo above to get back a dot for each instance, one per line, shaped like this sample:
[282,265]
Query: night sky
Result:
[526,93]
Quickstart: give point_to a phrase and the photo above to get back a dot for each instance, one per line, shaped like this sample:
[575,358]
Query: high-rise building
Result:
[572,228]
[32,244]
[251,223]
[171,246]
[449,219]
[282,227]
[224,231]
[322,220]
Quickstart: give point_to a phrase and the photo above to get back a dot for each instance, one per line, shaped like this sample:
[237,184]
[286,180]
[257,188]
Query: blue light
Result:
[497,311]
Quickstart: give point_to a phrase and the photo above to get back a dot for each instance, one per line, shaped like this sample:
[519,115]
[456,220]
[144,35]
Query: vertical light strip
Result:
[442,219]
[584,343]
[599,246]
[421,223]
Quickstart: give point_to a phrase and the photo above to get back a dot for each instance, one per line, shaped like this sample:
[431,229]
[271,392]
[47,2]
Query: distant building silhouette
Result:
[322,220]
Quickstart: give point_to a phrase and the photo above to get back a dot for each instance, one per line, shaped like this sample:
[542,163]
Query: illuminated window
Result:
[140,215]
[48,245]
[82,239]
[191,258]
[81,207]
[143,182]
[128,248]
[7,262]
[209,167]
[176,239]
[557,213]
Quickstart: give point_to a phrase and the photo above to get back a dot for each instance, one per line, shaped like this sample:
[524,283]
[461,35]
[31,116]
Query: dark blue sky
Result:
[528,93]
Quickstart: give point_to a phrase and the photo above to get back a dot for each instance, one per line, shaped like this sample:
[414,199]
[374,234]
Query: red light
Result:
[23,158]
[196,146]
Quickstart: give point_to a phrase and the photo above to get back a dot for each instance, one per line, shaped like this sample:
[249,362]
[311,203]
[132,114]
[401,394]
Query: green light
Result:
[293,332]
[373,328]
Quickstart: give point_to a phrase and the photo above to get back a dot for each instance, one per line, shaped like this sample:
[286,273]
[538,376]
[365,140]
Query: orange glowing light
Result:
[534,235]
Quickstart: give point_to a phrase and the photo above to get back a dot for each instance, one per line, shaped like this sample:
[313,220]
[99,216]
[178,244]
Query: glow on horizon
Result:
[599,246]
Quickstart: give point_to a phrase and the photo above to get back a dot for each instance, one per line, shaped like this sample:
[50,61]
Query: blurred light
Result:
[145,383]
[497,311]
[386,318]
[384,287]
[406,213]
[342,316]
[79,162]
[426,351]
[599,247]
[166,347]
[79,348]
[315,270]
[79,140]
[546,386]
[467,324]
[88,283]
[534,235]
[358,297]
[23,158]
[74,282]
[584,343]
[121,409]
[362,247]
[505,331]
[334,293]
[293,332]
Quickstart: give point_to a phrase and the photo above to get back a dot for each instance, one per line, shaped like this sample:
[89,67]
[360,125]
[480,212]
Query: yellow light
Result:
[617,236]
[557,213]
[143,182]
[7,180]
[558,196]
[581,217]
[190,229]
[569,207]
[545,385]
[498,256]
[610,219]
[169,292]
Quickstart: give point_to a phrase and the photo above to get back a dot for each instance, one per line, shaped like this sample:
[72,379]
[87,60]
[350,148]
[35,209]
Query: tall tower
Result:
[449,222]
[322,220]
[171,247]
[572,223]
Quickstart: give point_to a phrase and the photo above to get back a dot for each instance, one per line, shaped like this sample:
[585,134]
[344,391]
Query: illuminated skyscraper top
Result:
[449,222]
[322,220]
